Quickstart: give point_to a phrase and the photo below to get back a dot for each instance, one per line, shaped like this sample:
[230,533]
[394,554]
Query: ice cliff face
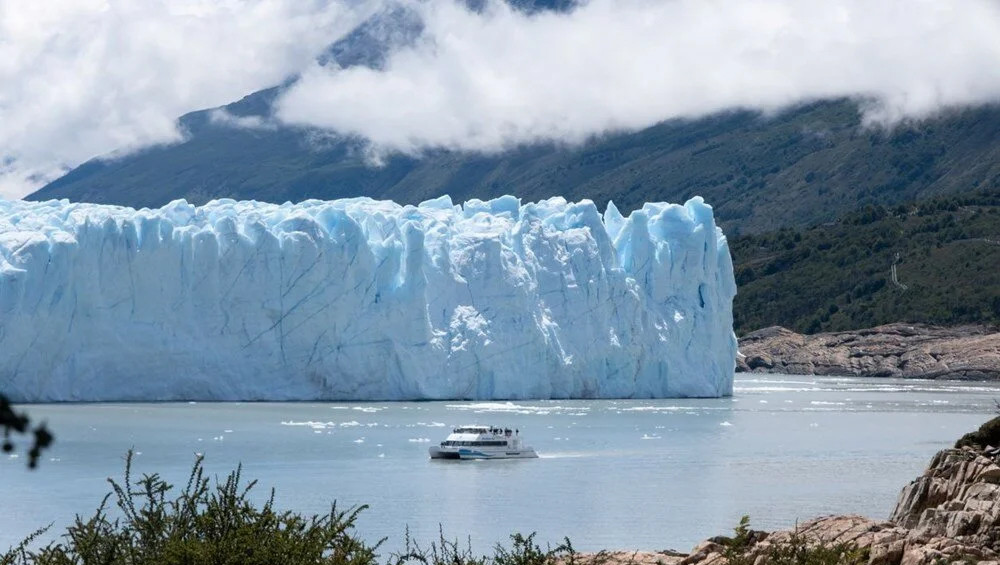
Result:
[361,299]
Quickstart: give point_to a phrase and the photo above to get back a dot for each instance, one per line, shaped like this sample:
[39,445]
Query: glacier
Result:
[359,299]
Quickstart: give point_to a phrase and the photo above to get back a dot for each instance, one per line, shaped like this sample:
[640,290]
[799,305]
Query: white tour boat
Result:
[482,442]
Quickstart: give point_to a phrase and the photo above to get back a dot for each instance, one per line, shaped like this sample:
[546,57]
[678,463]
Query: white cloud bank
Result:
[488,81]
[80,78]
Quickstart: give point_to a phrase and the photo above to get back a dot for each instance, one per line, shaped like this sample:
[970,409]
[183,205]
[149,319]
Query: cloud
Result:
[83,78]
[80,78]
[494,79]
[221,116]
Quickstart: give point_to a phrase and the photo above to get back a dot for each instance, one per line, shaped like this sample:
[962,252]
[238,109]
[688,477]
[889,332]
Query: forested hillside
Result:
[802,166]
[945,253]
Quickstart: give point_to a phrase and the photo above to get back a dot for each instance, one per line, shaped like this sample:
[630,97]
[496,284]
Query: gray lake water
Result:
[628,474]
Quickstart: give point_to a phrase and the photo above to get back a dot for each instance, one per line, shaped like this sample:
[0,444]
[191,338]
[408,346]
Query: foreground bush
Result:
[987,435]
[219,525]
[201,525]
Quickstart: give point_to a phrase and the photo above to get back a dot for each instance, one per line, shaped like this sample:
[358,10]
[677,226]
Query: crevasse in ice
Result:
[361,299]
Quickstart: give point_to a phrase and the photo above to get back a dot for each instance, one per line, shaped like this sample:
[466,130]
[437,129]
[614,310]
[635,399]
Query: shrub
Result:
[201,525]
[987,434]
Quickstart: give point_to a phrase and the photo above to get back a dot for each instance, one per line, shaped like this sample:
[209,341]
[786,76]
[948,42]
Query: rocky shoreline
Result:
[949,514]
[894,350]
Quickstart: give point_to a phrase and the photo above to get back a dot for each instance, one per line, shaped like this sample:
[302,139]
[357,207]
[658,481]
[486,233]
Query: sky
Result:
[85,78]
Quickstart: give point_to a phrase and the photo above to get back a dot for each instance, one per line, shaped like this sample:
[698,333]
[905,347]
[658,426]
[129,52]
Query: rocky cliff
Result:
[949,514]
[894,350]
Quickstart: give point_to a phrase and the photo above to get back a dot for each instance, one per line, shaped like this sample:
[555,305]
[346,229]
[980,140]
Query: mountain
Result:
[803,166]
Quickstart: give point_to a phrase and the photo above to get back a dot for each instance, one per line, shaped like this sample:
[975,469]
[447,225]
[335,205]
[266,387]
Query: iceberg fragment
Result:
[362,299]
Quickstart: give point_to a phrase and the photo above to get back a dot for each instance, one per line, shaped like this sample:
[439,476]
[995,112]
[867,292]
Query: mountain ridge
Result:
[802,166]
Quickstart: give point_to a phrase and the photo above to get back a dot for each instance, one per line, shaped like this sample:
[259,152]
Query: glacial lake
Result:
[617,474]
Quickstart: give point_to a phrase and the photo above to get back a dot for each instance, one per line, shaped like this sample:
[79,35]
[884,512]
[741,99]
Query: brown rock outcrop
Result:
[894,350]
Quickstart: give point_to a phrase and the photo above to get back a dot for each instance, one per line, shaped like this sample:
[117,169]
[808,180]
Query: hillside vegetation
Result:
[805,165]
[838,276]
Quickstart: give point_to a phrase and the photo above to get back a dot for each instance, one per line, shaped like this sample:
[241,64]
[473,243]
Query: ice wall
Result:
[362,299]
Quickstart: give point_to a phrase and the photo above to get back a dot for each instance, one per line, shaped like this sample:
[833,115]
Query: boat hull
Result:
[465,453]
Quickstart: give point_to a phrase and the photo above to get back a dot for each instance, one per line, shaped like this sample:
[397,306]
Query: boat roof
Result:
[475,429]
